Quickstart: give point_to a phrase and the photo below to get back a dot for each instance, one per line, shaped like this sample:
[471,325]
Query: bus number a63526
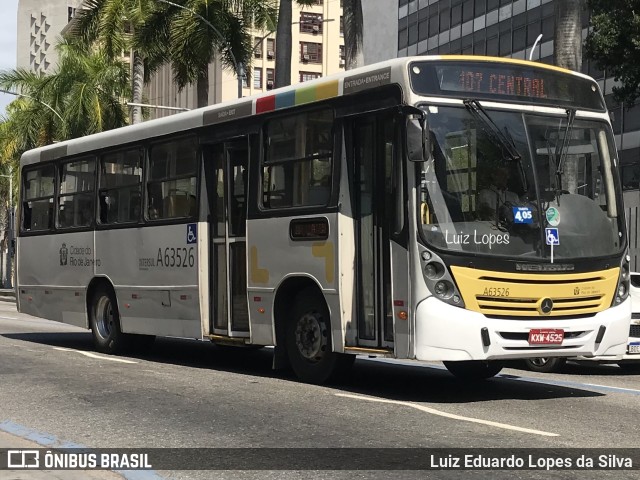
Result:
[176,257]
[496,292]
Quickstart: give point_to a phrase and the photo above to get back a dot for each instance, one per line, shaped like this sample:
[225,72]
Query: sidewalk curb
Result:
[7,295]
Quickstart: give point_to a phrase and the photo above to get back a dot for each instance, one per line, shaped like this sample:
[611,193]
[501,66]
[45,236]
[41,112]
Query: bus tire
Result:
[104,318]
[545,364]
[474,369]
[308,340]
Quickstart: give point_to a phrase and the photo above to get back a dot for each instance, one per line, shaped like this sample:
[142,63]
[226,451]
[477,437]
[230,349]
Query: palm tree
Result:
[568,54]
[82,96]
[283,48]
[283,38]
[111,24]
[353,24]
[568,34]
[190,34]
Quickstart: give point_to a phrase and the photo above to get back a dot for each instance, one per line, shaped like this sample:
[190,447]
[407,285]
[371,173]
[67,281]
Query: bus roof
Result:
[343,83]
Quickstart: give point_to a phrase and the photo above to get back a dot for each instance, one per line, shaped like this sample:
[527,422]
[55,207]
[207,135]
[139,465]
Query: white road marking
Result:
[433,411]
[93,355]
[8,318]
[607,387]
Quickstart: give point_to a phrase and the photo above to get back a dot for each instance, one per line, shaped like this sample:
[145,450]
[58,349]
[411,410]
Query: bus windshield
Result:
[519,185]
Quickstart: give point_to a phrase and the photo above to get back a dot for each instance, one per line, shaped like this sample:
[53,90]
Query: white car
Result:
[630,361]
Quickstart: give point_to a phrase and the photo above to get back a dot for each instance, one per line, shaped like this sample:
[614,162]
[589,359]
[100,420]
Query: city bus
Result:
[461,209]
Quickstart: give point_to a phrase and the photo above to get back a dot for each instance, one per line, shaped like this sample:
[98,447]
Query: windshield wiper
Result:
[571,116]
[480,113]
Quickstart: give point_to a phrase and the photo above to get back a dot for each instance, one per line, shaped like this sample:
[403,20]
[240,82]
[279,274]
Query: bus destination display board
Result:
[519,83]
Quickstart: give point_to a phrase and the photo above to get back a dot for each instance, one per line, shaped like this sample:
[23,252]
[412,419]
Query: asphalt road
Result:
[185,393]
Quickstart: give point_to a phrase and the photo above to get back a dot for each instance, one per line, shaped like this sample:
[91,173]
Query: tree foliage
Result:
[82,96]
[614,44]
[191,34]
[110,24]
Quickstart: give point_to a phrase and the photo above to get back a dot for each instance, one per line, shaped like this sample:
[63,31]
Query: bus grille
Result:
[521,295]
[529,306]
[634,331]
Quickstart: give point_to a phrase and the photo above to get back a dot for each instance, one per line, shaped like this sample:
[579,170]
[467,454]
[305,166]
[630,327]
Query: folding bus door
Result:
[377,172]
[227,184]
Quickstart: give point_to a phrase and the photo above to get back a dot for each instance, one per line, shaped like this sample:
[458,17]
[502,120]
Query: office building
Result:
[40,23]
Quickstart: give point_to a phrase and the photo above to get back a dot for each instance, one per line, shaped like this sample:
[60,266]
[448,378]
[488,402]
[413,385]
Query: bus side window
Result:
[155,201]
[298,160]
[37,211]
[171,187]
[120,186]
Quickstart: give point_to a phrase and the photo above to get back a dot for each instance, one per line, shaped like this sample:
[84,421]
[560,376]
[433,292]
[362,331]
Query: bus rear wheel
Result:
[308,340]
[105,322]
[474,369]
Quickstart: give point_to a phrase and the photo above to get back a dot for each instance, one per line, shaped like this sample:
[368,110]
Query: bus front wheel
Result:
[545,364]
[105,322]
[474,369]
[308,340]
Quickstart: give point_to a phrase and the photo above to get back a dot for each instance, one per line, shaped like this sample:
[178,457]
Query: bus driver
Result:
[491,199]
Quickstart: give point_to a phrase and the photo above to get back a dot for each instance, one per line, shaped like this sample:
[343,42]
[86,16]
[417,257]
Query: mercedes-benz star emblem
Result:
[546,305]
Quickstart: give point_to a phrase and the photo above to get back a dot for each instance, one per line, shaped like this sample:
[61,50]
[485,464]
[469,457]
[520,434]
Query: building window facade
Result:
[310,52]
[271,48]
[306,76]
[257,47]
[271,78]
[311,23]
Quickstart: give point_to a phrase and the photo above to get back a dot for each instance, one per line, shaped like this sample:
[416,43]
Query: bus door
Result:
[379,213]
[227,193]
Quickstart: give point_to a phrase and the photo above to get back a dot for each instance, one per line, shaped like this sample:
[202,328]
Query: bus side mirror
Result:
[416,138]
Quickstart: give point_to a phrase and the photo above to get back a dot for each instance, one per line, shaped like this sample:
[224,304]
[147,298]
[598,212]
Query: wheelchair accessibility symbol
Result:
[552,236]
[192,236]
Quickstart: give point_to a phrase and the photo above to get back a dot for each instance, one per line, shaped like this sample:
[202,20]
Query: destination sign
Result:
[497,83]
[505,82]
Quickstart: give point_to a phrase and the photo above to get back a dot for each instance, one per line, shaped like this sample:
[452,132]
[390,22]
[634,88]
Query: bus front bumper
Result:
[626,357]
[448,333]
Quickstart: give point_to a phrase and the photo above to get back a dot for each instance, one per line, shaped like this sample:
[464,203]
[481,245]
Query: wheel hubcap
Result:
[311,337]
[539,362]
[104,317]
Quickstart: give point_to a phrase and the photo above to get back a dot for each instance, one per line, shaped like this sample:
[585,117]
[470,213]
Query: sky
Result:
[8,21]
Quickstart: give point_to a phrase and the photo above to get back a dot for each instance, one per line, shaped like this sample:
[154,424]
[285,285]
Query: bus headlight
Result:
[443,289]
[434,270]
[438,279]
[622,291]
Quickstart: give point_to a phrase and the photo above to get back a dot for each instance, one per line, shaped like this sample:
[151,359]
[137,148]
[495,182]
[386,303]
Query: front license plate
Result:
[634,348]
[546,336]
